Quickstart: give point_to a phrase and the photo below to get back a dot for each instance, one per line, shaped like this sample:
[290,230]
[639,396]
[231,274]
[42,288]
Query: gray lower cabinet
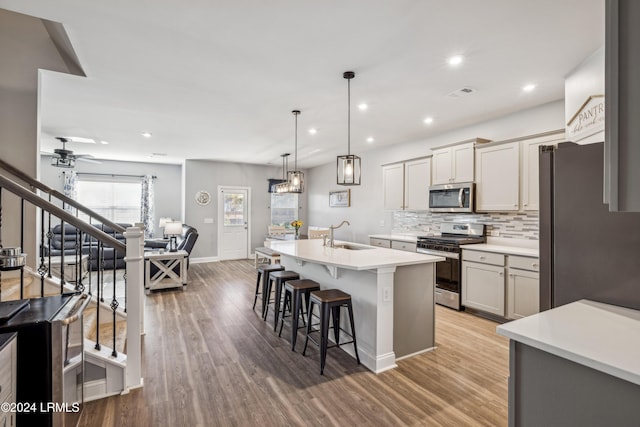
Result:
[548,390]
[523,287]
[381,243]
[483,281]
[8,361]
[392,244]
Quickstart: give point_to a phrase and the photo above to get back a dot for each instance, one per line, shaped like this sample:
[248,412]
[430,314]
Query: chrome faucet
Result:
[331,228]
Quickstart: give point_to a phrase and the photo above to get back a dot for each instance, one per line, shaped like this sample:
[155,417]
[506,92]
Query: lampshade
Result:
[173,228]
[163,222]
[295,178]
[348,165]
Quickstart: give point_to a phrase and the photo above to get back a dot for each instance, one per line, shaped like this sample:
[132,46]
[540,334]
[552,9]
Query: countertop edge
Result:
[507,250]
[517,331]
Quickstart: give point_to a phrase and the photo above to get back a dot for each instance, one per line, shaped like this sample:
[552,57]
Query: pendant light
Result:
[348,165]
[283,187]
[295,178]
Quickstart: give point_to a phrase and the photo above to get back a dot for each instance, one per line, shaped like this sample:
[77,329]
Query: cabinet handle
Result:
[481,257]
[526,204]
[510,274]
[501,274]
[534,264]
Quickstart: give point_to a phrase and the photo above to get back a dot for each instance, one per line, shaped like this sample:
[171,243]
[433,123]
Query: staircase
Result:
[110,333]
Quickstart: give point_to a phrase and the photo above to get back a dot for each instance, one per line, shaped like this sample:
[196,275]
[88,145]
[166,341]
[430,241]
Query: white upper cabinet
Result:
[454,163]
[417,179]
[529,169]
[406,185]
[507,173]
[462,165]
[497,177]
[393,186]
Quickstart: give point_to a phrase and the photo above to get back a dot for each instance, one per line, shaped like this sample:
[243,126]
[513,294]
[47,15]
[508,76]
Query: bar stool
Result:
[263,272]
[330,301]
[293,292]
[280,277]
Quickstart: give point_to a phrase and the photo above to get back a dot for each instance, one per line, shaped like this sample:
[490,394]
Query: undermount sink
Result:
[352,247]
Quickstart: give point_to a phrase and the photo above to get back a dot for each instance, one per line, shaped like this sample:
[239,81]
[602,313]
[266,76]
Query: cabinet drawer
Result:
[483,257]
[403,246]
[382,243]
[524,263]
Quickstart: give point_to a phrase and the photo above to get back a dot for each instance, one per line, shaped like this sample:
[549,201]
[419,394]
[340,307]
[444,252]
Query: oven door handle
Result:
[461,198]
[452,255]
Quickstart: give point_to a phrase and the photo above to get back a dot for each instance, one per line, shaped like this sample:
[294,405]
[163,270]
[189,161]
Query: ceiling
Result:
[218,79]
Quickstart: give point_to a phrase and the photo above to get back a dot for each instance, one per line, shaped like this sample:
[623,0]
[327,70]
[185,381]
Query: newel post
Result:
[134,259]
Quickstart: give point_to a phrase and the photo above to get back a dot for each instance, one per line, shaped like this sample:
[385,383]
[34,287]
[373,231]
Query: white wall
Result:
[366,213]
[208,175]
[586,80]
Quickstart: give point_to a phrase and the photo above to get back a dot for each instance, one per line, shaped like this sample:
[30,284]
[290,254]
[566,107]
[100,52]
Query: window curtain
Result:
[146,205]
[70,188]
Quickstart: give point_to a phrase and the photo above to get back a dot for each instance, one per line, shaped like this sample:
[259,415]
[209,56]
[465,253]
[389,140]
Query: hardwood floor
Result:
[210,360]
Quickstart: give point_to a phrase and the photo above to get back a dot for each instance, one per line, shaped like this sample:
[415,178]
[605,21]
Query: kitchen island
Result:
[392,292]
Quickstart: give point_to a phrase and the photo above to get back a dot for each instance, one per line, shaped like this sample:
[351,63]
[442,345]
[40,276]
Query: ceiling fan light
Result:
[59,162]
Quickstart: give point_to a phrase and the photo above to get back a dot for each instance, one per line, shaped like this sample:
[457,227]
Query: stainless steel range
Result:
[449,272]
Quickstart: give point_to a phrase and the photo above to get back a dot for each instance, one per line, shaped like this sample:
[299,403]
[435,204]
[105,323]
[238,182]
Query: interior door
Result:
[233,220]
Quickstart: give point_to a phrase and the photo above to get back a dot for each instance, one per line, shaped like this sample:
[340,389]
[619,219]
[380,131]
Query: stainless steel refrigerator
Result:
[585,250]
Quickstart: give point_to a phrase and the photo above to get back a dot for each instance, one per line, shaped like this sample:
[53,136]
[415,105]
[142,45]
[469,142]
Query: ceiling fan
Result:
[63,158]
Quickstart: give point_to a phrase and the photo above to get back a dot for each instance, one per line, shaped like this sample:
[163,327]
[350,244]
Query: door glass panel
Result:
[233,208]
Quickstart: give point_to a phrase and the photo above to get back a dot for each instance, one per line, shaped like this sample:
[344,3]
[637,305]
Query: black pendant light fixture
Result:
[349,164]
[295,178]
[283,187]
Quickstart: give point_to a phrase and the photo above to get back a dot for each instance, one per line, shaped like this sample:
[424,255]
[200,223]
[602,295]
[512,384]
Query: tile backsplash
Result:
[507,225]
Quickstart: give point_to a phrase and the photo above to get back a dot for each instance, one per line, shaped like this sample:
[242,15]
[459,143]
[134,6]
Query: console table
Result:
[166,263]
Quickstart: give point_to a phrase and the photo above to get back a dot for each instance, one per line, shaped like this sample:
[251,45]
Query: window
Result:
[117,199]
[284,208]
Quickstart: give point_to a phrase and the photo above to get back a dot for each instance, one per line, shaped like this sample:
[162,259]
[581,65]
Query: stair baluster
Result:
[114,305]
[42,269]
[100,290]
[22,246]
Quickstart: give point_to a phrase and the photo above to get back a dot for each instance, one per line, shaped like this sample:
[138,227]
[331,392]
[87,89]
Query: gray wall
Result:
[25,47]
[167,185]
[366,214]
[208,175]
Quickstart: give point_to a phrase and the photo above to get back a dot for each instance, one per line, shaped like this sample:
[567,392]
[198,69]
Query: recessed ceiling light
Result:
[147,134]
[104,142]
[529,87]
[428,120]
[313,131]
[362,107]
[455,60]
[370,139]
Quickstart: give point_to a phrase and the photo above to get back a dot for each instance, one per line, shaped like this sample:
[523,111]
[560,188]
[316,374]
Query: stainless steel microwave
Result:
[452,197]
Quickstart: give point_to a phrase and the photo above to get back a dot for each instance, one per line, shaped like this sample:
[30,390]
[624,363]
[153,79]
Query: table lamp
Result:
[162,223]
[173,229]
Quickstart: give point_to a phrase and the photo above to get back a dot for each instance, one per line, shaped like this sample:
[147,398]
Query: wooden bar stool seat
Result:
[330,301]
[294,290]
[279,277]
[263,272]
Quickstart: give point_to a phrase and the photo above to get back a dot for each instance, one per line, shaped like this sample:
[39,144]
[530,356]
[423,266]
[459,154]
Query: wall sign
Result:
[588,120]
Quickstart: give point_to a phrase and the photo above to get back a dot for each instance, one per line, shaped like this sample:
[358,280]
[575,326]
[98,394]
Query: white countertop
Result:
[601,336]
[371,258]
[504,249]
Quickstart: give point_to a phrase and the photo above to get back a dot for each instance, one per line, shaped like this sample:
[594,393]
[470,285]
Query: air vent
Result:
[461,92]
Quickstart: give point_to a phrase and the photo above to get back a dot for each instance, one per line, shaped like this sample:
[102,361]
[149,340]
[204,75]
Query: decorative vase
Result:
[297,233]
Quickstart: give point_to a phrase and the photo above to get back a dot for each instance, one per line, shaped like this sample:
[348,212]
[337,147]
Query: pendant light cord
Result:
[295,166]
[348,116]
